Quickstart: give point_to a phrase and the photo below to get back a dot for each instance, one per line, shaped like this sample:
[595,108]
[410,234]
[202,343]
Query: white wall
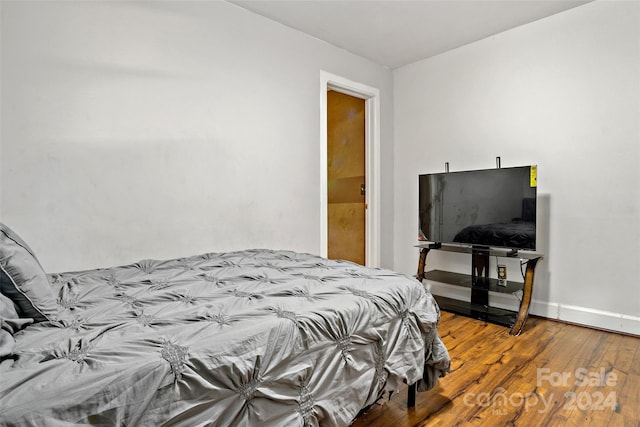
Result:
[138,130]
[563,93]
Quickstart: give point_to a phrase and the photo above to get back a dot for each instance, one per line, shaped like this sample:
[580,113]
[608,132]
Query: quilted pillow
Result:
[10,323]
[23,280]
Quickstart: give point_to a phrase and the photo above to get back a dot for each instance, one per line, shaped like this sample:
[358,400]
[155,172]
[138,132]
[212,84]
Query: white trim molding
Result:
[599,319]
[371,96]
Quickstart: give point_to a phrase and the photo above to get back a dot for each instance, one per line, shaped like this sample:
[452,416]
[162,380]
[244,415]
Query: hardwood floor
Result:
[553,374]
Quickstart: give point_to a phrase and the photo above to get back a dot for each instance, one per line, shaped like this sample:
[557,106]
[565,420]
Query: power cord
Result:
[521,264]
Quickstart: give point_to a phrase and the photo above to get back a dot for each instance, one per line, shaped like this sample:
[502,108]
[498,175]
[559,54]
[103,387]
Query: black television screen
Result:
[488,207]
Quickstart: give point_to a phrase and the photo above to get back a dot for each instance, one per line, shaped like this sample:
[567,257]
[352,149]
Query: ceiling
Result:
[394,33]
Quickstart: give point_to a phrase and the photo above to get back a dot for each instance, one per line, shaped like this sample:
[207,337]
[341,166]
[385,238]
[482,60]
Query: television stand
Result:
[481,284]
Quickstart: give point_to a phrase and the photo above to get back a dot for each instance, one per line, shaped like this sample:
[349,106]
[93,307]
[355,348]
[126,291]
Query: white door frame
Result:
[371,96]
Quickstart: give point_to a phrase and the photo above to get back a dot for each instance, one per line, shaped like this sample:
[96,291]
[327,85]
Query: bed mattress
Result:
[247,338]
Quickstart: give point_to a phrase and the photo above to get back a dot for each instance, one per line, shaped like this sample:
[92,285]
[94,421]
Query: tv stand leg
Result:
[421,264]
[527,291]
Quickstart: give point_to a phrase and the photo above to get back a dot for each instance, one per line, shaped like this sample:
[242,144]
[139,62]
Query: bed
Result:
[244,338]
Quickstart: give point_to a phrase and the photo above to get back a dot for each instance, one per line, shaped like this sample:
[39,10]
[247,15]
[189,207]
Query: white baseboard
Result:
[585,316]
[600,319]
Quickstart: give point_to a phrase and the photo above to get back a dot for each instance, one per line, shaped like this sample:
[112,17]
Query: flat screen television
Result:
[480,208]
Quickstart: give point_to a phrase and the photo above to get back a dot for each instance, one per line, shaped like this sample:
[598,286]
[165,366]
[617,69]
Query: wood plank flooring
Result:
[553,374]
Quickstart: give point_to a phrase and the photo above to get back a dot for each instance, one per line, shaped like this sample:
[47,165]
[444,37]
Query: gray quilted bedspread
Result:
[248,338]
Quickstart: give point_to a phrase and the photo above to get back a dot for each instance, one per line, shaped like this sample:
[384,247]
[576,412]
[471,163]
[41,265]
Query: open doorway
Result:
[346,185]
[371,99]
